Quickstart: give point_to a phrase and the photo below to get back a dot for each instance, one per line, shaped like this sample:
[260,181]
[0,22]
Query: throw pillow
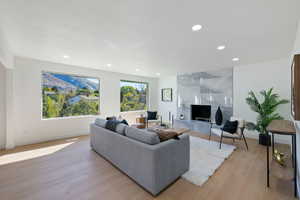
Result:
[111,118]
[230,126]
[151,115]
[112,125]
[124,122]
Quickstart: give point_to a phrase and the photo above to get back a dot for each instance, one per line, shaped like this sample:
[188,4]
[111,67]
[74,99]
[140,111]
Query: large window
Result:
[68,95]
[133,96]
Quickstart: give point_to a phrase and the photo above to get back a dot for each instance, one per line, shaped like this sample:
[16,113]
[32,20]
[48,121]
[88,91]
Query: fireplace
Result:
[201,112]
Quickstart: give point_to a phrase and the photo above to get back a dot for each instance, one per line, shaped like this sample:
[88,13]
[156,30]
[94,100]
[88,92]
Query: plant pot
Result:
[265,139]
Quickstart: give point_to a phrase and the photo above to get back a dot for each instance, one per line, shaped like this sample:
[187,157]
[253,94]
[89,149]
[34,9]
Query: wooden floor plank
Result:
[77,172]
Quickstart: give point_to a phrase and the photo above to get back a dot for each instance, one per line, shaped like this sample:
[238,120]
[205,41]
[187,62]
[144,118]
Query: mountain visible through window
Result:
[68,95]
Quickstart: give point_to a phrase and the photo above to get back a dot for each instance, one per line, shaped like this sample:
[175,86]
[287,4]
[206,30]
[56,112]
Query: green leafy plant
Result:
[266,109]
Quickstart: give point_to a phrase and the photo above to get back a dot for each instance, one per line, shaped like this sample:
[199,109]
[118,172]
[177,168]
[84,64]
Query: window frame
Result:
[69,117]
[147,95]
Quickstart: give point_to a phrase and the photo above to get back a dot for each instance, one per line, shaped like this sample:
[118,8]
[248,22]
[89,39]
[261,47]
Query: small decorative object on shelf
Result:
[181,117]
[219,117]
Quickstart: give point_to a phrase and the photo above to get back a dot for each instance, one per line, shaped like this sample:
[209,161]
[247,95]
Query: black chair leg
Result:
[209,135]
[245,141]
[221,141]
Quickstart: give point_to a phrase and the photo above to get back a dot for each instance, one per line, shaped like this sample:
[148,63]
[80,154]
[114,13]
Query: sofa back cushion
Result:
[142,135]
[121,128]
[100,122]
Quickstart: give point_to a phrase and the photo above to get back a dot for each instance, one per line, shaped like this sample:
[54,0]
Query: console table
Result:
[283,127]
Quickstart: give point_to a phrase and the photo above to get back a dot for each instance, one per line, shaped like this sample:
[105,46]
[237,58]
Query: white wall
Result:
[297,41]
[2,107]
[257,77]
[165,107]
[6,57]
[30,128]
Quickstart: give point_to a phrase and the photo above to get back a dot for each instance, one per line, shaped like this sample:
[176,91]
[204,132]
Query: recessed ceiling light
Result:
[66,56]
[196,27]
[221,47]
[157,74]
[235,59]
[137,70]
[108,65]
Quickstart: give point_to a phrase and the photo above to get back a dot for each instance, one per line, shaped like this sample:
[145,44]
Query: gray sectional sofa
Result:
[138,153]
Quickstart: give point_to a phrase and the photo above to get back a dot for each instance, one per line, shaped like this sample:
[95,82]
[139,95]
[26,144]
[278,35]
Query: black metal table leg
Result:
[294,150]
[293,154]
[268,167]
[272,144]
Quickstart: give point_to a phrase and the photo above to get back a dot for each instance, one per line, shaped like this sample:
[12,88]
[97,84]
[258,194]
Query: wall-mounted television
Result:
[201,112]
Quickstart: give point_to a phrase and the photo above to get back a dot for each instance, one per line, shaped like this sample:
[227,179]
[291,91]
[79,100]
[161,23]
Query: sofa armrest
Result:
[171,160]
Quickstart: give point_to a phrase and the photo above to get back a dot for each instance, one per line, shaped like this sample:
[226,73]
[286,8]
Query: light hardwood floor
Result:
[69,169]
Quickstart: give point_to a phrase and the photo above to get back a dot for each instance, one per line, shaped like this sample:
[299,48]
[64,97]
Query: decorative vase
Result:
[265,139]
[219,117]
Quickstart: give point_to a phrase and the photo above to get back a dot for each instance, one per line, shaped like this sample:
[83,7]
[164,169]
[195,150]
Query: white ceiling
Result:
[154,36]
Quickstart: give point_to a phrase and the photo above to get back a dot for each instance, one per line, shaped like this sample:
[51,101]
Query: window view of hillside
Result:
[133,96]
[66,95]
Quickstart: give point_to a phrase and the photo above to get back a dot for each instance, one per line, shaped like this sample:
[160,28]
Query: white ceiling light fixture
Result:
[137,70]
[221,47]
[235,59]
[108,65]
[196,27]
[66,56]
[157,74]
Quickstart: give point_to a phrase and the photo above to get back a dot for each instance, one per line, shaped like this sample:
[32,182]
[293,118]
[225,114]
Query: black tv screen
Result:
[200,112]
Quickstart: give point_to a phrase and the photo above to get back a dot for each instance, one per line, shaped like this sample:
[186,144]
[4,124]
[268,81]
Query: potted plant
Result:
[266,112]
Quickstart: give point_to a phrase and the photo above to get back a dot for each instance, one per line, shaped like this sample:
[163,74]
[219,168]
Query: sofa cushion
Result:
[230,126]
[151,115]
[146,137]
[121,128]
[100,122]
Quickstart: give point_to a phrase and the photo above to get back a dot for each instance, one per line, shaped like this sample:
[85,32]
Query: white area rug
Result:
[205,159]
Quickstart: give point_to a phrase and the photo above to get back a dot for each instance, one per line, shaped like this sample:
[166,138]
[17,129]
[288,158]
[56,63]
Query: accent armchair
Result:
[153,119]
[239,134]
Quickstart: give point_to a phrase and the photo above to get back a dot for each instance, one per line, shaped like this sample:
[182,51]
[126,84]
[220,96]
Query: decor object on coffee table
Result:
[266,113]
[231,132]
[166,94]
